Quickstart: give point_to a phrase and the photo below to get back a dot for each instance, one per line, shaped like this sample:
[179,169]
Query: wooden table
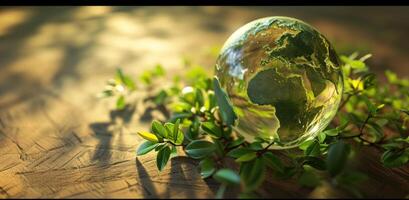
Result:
[58,140]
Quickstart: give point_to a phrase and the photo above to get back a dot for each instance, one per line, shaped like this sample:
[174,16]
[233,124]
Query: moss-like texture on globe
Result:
[283,78]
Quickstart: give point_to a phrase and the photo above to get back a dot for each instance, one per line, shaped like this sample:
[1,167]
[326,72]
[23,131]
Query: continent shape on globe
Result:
[283,78]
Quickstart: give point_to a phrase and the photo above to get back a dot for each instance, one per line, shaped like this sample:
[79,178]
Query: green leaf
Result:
[321,137]
[392,146]
[160,146]
[198,149]
[227,176]
[304,145]
[148,136]
[120,103]
[247,157]
[159,129]
[235,153]
[193,130]
[337,157]
[395,158]
[199,97]
[219,147]
[128,82]
[391,76]
[273,162]
[309,179]
[331,132]
[313,149]
[188,95]
[252,173]
[146,77]
[163,158]
[377,131]
[212,129]
[177,133]
[256,146]
[226,108]
[146,147]
[106,93]
[182,115]
[236,142]
[176,138]
[160,97]
[207,167]
[158,70]
[174,152]
[355,64]
[371,107]
[315,162]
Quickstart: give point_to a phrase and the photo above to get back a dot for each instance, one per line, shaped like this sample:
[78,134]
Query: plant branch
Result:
[262,151]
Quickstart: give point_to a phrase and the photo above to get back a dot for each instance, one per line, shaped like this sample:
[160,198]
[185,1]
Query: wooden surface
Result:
[58,140]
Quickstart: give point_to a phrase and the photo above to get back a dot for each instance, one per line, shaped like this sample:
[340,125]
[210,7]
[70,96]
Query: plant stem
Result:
[170,142]
[262,151]
[361,129]
[347,99]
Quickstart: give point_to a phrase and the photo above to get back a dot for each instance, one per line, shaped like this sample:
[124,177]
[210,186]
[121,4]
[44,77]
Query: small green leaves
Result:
[226,108]
[148,136]
[163,157]
[207,167]
[146,147]
[198,149]
[119,87]
[227,176]
[148,75]
[337,157]
[203,113]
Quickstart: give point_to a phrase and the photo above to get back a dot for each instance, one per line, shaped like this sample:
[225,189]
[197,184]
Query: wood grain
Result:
[57,140]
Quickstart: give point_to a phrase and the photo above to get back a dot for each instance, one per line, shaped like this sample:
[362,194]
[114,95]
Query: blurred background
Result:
[58,140]
[75,49]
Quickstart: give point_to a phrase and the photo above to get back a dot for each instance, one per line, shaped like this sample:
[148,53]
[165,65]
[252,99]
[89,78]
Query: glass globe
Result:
[283,78]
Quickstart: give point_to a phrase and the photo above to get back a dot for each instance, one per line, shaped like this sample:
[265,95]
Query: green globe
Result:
[283,78]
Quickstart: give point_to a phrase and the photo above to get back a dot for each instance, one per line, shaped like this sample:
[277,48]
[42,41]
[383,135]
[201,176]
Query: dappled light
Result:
[59,140]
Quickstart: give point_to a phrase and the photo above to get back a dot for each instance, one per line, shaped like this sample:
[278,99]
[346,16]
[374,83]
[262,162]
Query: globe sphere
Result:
[283,78]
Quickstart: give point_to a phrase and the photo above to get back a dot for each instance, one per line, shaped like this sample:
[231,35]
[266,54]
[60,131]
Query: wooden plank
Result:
[58,141]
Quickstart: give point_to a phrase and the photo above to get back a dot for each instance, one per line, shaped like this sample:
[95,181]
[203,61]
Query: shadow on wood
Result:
[149,190]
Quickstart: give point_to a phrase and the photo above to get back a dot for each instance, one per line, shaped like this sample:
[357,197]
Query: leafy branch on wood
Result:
[202,118]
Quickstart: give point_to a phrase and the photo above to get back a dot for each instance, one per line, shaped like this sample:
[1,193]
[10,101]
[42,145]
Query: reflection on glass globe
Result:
[283,78]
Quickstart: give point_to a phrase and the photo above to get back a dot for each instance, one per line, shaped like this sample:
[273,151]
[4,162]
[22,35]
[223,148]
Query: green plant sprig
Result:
[202,119]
